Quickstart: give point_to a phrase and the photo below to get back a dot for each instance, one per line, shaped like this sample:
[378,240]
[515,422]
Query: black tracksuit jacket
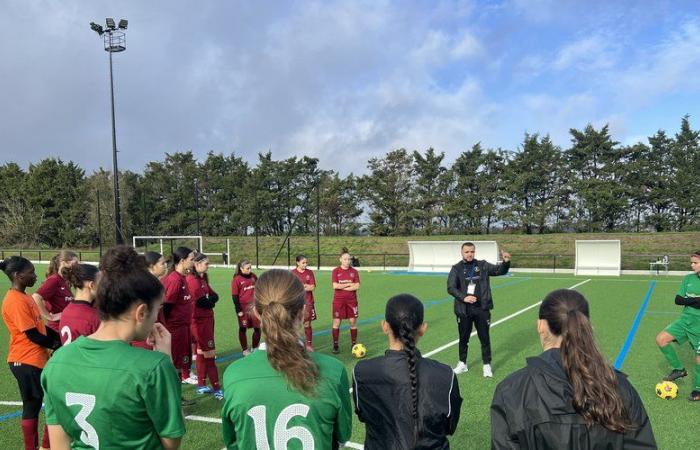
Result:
[532,409]
[457,283]
[382,395]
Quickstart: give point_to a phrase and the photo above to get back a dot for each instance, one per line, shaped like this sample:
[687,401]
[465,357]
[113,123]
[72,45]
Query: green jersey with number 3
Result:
[109,395]
[262,411]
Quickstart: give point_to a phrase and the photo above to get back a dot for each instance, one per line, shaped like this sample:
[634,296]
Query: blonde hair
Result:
[62,256]
[279,299]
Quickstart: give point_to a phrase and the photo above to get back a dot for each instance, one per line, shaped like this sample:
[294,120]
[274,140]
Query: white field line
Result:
[355,445]
[646,280]
[499,321]
[6,403]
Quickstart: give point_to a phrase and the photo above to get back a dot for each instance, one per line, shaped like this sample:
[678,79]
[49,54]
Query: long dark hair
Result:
[125,280]
[241,263]
[199,257]
[179,254]
[14,264]
[152,257]
[592,378]
[279,299]
[404,314]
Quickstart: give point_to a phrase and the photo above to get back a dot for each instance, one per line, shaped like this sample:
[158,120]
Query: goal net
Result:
[440,256]
[598,257]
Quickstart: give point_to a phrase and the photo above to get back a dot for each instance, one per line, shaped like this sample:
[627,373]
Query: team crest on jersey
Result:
[476,269]
[185,359]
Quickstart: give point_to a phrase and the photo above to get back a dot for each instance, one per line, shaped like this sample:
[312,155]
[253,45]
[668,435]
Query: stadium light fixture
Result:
[114,42]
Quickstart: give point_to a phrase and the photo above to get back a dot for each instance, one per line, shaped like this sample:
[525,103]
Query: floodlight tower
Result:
[114,38]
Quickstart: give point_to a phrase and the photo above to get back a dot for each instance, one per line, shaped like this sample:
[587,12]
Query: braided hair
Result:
[404,314]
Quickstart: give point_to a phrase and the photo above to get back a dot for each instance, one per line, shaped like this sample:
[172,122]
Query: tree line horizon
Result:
[594,185]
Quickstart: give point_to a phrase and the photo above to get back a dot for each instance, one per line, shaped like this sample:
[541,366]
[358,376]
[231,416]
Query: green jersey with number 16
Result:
[262,411]
[109,395]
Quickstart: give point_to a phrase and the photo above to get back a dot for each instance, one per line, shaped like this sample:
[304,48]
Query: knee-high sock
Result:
[213,373]
[336,333]
[671,356]
[353,335]
[201,371]
[30,433]
[242,338]
[697,376]
[256,337]
[45,440]
[309,334]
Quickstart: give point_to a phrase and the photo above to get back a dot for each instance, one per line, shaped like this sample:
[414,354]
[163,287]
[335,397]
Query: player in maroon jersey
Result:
[203,326]
[306,276]
[54,294]
[346,282]
[177,311]
[80,318]
[243,294]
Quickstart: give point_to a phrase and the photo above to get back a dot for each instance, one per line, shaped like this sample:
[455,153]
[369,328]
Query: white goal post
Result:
[598,257]
[160,239]
[440,256]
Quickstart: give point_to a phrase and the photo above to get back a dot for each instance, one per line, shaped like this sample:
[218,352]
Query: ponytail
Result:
[593,380]
[279,300]
[57,259]
[79,274]
[404,314]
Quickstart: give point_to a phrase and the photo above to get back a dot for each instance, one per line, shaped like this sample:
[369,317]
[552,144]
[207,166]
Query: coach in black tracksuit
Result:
[468,283]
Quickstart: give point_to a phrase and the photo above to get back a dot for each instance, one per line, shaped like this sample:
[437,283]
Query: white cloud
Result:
[587,54]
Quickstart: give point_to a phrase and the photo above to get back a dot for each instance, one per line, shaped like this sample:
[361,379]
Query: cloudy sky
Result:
[341,81]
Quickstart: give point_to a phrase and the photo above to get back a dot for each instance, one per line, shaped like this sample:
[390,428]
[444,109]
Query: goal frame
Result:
[582,265]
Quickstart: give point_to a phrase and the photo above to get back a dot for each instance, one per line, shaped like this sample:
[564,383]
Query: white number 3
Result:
[89,434]
[281,433]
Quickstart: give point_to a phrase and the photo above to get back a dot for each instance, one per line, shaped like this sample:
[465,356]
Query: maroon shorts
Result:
[345,310]
[203,331]
[310,309]
[249,319]
[180,346]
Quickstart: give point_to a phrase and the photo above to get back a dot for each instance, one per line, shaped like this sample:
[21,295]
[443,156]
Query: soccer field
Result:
[627,312]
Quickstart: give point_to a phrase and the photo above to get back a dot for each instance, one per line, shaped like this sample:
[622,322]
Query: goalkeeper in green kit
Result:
[686,328]
[283,396]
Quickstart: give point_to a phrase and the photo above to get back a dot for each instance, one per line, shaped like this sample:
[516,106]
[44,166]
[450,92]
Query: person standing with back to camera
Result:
[468,283]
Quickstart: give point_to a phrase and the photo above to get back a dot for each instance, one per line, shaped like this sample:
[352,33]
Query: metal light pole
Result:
[114,42]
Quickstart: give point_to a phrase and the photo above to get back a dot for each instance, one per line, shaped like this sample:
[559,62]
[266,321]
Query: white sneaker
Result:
[190,380]
[460,368]
[488,373]
[246,352]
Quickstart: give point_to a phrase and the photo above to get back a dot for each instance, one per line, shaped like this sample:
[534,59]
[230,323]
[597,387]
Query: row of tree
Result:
[594,185]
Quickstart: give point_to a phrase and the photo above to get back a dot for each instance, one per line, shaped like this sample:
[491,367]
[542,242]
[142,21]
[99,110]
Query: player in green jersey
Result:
[283,397]
[686,328]
[103,393]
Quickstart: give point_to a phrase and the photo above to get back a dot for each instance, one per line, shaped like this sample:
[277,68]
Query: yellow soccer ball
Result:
[359,351]
[667,390]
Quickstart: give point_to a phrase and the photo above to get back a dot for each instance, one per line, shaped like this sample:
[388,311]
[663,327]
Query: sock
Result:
[30,433]
[336,333]
[309,335]
[697,376]
[45,441]
[212,372]
[353,335]
[242,338]
[184,374]
[671,357]
[256,337]
[201,372]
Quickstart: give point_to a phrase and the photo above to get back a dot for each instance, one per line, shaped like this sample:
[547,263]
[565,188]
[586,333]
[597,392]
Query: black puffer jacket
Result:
[457,283]
[532,409]
[382,395]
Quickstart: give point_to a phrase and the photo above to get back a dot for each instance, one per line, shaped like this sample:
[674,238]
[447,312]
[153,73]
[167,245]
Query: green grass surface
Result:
[614,305]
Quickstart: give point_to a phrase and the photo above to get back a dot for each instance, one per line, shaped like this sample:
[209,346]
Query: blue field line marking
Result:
[378,317]
[13,415]
[633,330]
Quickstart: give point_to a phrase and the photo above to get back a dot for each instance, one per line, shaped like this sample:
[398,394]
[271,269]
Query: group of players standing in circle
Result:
[103,391]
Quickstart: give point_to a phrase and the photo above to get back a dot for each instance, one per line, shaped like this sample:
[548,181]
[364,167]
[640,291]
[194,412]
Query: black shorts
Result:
[29,381]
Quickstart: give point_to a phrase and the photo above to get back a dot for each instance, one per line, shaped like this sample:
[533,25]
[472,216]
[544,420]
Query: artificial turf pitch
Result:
[615,308]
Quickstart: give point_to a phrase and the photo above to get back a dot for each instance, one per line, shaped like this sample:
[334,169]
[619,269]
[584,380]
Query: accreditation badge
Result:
[471,288]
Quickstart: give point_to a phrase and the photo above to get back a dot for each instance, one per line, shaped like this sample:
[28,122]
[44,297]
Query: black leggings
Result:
[29,382]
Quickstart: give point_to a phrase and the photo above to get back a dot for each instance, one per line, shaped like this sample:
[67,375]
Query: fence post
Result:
[40,256]
[384,261]
[554,257]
